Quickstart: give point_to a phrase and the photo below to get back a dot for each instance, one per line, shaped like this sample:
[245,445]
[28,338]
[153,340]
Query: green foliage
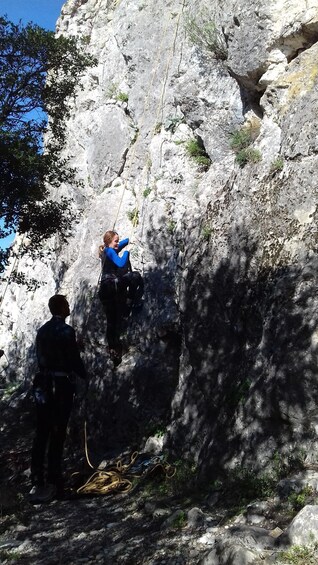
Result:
[134,139]
[242,486]
[203,161]
[241,140]
[39,74]
[298,500]
[202,31]
[114,92]
[181,483]
[10,389]
[157,128]
[157,429]
[147,191]
[299,555]
[122,96]
[277,165]
[285,464]
[206,232]
[248,155]
[86,39]
[279,465]
[29,282]
[171,227]
[195,149]
[172,123]
[7,555]
[184,478]
[180,520]
[133,216]
[159,432]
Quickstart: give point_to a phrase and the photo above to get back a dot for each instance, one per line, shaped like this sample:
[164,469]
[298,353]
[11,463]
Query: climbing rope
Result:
[146,106]
[105,482]
[164,84]
[119,477]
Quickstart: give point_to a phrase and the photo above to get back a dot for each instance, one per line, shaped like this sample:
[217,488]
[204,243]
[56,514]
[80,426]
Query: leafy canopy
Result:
[39,75]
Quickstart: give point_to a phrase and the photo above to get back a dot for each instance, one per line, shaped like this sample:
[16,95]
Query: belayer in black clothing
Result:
[120,288]
[59,363]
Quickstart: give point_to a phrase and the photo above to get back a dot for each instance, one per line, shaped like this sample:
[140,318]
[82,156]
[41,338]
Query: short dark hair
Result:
[57,303]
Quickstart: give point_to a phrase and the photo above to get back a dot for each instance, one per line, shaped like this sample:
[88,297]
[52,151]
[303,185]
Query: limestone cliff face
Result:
[224,354]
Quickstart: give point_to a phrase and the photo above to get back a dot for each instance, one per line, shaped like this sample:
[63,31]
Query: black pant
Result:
[132,283]
[113,296]
[51,424]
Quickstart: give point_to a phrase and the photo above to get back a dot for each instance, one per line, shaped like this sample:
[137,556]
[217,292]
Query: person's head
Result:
[111,239]
[59,306]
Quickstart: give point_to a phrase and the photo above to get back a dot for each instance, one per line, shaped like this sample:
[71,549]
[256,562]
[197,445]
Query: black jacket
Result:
[57,350]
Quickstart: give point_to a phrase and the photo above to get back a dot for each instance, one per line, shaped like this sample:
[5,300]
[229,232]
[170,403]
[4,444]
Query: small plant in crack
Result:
[195,149]
[277,165]
[172,123]
[180,520]
[241,141]
[122,96]
[133,216]
[171,227]
[147,191]
[298,500]
[248,155]
[157,128]
[135,137]
[206,232]
[114,92]
[203,32]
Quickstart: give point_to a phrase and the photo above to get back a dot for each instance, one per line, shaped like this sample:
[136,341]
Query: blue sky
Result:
[41,12]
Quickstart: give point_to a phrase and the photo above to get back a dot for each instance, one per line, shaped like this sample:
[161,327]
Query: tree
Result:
[39,75]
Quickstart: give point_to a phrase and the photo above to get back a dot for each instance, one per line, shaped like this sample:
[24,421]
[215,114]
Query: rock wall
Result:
[223,355]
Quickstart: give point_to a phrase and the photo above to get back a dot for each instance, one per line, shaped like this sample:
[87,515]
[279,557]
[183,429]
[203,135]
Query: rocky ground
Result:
[160,521]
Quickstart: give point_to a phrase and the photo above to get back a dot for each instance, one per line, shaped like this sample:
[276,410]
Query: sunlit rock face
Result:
[223,356]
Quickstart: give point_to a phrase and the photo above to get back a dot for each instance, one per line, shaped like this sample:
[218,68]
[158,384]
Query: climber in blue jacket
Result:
[121,288]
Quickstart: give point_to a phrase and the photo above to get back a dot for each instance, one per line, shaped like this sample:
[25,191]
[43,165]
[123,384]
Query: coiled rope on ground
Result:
[119,477]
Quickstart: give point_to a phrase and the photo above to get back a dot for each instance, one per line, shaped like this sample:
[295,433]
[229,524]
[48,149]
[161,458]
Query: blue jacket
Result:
[112,264]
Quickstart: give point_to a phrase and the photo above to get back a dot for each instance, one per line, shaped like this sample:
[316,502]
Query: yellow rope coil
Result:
[115,478]
[104,482]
